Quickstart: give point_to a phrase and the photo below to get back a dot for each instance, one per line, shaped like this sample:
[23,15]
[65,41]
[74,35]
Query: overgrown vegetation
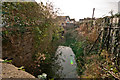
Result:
[24,21]
[90,45]
[31,35]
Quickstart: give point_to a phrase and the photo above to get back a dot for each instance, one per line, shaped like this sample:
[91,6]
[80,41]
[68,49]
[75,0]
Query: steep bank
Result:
[30,41]
[10,71]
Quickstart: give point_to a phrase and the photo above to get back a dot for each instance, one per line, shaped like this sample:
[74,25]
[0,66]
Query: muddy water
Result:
[66,59]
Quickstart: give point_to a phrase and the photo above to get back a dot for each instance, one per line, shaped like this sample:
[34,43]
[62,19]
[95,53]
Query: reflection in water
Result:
[66,60]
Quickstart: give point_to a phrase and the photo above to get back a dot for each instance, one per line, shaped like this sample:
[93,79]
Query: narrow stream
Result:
[66,59]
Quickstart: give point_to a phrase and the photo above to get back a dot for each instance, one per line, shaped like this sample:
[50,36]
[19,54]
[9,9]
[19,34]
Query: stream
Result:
[66,60]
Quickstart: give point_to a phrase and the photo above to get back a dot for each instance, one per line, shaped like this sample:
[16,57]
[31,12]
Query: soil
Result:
[10,71]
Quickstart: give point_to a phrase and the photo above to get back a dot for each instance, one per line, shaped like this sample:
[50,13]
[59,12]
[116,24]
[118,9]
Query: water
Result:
[66,60]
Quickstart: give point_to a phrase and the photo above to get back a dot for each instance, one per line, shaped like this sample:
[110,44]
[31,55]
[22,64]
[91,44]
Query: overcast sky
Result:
[79,9]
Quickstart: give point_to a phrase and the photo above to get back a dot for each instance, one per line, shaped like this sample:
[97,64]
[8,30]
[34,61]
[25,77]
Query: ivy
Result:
[35,18]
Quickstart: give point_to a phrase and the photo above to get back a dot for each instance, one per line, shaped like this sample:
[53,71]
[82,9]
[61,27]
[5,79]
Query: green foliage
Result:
[43,76]
[77,47]
[37,19]
[21,68]
[7,61]
[51,79]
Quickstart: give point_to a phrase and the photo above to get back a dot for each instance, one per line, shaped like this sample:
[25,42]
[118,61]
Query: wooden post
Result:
[93,13]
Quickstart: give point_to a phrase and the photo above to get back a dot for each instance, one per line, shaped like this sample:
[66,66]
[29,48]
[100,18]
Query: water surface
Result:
[66,59]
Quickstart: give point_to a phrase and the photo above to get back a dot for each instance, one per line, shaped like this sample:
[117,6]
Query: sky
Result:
[80,9]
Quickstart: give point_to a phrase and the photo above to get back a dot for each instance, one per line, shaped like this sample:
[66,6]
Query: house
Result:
[63,20]
[81,20]
[66,22]
[72,21]
[67,19]
[86,20]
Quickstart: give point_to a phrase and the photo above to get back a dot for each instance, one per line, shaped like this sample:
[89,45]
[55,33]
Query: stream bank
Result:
[10,71]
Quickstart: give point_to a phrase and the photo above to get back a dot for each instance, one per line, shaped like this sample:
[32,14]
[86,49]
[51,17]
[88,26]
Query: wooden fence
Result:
[109,38]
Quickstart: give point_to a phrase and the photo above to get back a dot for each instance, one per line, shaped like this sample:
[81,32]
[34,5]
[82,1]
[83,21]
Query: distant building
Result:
[85,20]
[67,19]
[63,20]
[81,20]
[119,7]
[72,21]
[66,22]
